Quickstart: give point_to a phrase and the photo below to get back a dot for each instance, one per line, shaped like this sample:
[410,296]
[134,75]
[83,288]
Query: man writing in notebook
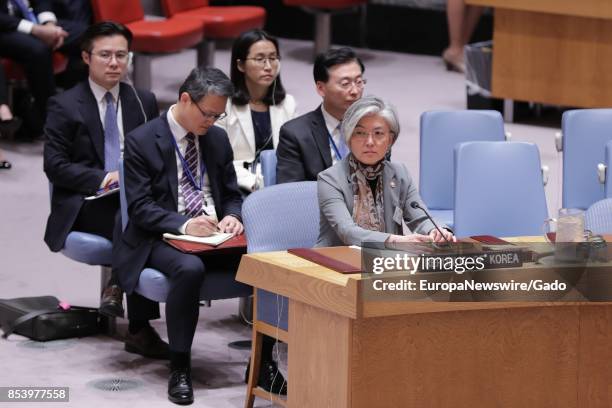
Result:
[180,179]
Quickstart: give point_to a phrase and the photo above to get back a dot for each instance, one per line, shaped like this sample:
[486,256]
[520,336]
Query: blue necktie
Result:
[25,12]
[192,195]
[112,148]
[342,147]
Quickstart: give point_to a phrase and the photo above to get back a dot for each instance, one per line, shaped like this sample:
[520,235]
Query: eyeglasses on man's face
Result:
[347,84]
[207,115]
[107,56]
[261,60]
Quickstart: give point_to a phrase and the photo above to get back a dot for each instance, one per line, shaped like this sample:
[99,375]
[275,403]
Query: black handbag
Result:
[40,318]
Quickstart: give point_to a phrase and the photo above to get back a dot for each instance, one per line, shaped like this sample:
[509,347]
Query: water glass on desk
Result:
[569,227]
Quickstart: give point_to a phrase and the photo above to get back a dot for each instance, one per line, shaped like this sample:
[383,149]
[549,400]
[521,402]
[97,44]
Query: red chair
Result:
[220,22]
[150,36]
[323,10]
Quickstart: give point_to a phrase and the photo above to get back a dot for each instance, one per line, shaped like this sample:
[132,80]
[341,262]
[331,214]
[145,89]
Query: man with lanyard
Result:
[180,178]
[312,142]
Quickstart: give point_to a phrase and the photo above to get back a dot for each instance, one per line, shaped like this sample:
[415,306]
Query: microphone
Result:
[416,205]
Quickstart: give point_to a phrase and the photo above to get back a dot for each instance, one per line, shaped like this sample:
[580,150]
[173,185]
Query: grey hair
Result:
[369,105]
[206,81]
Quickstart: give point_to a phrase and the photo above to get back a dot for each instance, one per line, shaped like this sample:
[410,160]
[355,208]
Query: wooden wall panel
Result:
[552,59]
[584,8]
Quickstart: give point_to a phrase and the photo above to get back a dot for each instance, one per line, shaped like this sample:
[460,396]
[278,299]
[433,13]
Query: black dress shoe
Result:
[180,390]
[111,304]
[147,343]
[270,378]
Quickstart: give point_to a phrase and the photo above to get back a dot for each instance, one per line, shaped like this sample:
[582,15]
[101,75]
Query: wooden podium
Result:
[346,350]
[552,51]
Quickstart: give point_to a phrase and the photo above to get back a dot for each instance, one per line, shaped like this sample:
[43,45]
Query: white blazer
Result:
[239,127]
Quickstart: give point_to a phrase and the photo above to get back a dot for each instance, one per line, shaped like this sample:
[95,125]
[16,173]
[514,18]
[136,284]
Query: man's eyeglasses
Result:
[206,115]
[347,84]
[377,135]
[261,61]
[107,56]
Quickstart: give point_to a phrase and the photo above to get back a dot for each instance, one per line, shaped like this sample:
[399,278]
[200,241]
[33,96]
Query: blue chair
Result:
[93,250]
[154,285]
[441,131]
[585,133]
[598,217]
[276,218]
[498,189]
[608,186]
[268,167]
[603,171]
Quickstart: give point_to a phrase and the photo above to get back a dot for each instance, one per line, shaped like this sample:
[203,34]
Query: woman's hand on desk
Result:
[435,236]
[413,242]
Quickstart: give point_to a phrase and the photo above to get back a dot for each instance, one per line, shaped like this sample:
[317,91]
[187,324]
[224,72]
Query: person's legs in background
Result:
[8,123]
[36,59]
[462,20]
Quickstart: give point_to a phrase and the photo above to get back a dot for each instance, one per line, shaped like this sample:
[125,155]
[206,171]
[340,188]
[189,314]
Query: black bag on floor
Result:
[40,318]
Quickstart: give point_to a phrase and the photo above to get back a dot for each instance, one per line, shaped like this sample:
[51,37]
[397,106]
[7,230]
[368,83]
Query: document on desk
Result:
[215,239]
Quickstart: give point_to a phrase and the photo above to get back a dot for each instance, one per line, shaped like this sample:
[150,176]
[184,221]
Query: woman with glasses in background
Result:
[364,197]
[259,106]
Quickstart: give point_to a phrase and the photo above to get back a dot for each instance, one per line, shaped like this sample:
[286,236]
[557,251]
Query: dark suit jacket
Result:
[74,150]
[303,148]
[10,23]
[151,186]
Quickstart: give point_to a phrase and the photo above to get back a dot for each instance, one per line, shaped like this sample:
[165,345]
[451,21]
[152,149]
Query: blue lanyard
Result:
[331,141]
[186,169]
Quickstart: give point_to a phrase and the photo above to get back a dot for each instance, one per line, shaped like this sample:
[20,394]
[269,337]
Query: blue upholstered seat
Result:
[88,248]
[498,189]
[608,163]
[598,218]
[277,218]
[585,134]
[268,167]
[440,132]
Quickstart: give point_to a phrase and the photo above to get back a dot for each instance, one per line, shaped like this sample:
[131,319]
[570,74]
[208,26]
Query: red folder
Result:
[340,259]
[234,245]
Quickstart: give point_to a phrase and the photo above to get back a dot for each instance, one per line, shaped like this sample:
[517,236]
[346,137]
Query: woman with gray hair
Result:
[365,197]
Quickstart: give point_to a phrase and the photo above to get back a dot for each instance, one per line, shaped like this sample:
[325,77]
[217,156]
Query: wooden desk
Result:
[347,351]
[552,51]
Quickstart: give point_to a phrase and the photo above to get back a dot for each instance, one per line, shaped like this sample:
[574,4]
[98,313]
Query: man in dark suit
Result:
[179,178]
[84,137]
[29,33]
[311,143]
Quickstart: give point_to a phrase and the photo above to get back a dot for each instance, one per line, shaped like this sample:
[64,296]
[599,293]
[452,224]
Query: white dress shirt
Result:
[25,26]
[331,124]
[179,134]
